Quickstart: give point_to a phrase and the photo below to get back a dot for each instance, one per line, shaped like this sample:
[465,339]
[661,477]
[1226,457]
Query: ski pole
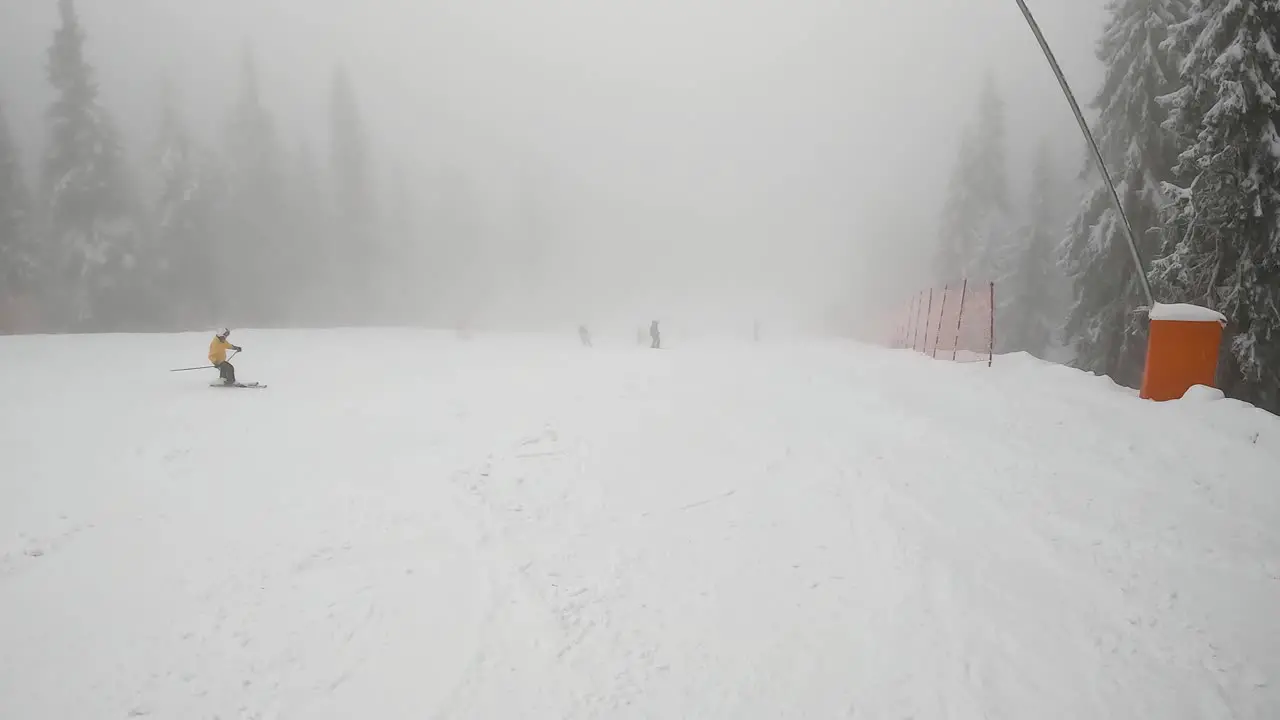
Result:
[204,367]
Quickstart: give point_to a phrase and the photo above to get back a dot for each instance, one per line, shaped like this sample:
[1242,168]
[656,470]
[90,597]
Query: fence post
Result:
[941,312]
[991,337]
[915,321]
[964,290]
[906,322]
[928,315]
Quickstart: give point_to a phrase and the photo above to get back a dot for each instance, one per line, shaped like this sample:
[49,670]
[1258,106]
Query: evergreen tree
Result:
[96,238]
[1106,332]
[1227,253]
[185,212]
[991,178]
[1032,314]
[955,242]
[977,230]
[455,255]
[316,270]
[405,274]
[17,259]
[353,202]
[254,259]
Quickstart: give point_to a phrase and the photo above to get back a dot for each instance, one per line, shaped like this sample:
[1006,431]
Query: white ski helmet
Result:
[224,332]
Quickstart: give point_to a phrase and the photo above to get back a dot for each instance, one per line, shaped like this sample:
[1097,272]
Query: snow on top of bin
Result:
[1186,313]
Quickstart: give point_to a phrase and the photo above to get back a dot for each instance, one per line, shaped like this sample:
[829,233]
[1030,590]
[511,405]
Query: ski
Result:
[252,385]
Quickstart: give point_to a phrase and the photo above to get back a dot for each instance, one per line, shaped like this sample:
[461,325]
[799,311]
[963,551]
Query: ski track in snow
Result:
[518,527]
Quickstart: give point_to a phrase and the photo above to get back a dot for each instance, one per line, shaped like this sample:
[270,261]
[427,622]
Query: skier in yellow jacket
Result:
[218,356]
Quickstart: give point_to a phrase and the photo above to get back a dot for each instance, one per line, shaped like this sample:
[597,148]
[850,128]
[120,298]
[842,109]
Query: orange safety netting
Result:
[949,323]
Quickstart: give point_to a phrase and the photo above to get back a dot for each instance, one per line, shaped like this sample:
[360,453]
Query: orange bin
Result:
[1182,350]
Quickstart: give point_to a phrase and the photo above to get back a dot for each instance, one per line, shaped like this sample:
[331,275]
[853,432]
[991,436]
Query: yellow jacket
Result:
[218,350]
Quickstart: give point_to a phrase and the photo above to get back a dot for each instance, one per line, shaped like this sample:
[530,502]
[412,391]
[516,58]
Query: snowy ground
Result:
[405,525]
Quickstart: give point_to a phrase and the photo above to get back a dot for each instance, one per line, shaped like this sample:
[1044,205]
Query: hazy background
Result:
[718,159]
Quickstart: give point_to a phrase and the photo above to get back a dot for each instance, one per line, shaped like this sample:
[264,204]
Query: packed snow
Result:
[408,525]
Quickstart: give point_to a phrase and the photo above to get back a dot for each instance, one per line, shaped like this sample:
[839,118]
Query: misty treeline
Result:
[1187,120]
[247,229]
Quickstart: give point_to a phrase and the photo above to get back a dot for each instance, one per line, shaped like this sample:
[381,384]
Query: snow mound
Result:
[1203,393]
[513,526]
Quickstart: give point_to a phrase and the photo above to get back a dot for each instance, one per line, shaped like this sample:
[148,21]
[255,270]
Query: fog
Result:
[613,162]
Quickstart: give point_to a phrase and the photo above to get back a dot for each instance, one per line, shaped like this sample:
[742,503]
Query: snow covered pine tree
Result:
[254,222]
[976,229]
[17,261]
[1108,337]
[1227,255]
[93,228]
[185,210]
[1032,312]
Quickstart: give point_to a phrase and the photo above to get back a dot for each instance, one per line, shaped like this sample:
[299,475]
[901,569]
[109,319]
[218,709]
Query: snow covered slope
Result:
[405,525]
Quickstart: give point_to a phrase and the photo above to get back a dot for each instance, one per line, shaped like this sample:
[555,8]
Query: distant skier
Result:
[655,337]
[584,335]
[218,356]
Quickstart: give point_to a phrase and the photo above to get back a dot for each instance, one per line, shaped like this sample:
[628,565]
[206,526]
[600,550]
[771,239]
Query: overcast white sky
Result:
[728,152]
